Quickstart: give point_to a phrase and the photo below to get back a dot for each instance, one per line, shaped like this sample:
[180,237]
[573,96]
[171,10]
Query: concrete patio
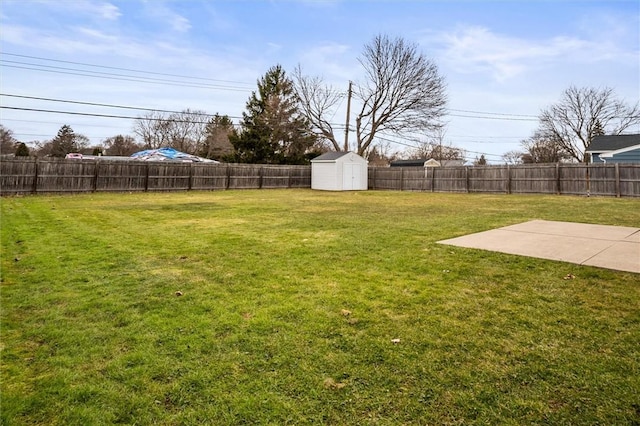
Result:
[610,247]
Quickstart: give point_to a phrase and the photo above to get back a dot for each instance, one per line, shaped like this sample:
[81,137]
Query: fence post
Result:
[190,177]
[466,173]
[35,177]
[508,179]
[146,178]
[374,178]
[260,172]
[617,180]
[433,178]
[401,178]
[95,176]
[557,177]
[289,169]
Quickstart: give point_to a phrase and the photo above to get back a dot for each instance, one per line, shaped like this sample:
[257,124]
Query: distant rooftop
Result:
[612,142]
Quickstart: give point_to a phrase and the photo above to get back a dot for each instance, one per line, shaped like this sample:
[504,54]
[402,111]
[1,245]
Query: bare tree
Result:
[187,130]
[184,131]
[121,145]
[435,147]
[403,94]
[513,157]
[7,141]
[381,154]
[430,149]
[318,102]
[582,113]
[544,148]
[153,129]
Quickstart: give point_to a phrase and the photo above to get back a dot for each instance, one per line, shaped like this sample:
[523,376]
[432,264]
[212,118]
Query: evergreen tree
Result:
[67,141]
[273,129]
[481,161]
[597,129]
[216,143]
[22,150]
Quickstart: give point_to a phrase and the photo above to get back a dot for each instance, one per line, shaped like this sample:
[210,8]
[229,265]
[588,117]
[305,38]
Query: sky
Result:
[503,61]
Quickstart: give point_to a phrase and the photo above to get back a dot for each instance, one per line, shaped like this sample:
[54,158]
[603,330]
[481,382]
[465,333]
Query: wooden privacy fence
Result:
[34,176]
[619,180]
[29,176]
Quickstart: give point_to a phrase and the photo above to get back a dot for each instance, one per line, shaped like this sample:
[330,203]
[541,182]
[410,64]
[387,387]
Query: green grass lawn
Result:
[302,307]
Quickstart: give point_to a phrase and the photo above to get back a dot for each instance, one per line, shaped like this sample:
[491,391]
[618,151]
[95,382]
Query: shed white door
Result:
[350,176]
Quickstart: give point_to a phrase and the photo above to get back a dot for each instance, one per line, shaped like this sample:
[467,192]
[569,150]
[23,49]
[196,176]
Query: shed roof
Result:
[606,143]
[330,156]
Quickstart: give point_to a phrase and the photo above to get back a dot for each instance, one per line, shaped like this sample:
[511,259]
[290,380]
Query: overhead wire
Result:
[386,139]
[121,77]
[111,105]
[462,113]
[123,69]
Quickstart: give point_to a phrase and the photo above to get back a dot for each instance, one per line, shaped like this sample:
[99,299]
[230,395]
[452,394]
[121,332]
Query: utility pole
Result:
[346,130]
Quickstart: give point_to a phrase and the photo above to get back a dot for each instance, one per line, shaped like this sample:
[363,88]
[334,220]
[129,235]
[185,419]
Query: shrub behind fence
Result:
[35,176]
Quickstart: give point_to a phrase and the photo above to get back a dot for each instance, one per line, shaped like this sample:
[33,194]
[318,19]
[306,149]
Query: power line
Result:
[162,119]
[461,149]
[122,77]
[149,109]
[487,115]
[109,105]
[122,69]
[493,113]
[493,118]
[87,114]
[56,122]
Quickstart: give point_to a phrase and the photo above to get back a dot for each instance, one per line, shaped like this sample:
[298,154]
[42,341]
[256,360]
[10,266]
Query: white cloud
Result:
[159,11]
[108,11]
[334,61]
[479,50]
[180,23]
[99,9]
[73,40]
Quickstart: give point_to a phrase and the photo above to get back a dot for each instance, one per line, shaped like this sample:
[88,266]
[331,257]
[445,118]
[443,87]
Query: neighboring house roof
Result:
[452,163]
[606,143]
[408,163]
[422,162]
[331,156]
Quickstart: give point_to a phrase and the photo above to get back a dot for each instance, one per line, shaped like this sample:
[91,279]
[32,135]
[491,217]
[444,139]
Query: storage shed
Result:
[339,171]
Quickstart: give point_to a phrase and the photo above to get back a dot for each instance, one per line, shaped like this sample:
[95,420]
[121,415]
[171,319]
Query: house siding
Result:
[624,157]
